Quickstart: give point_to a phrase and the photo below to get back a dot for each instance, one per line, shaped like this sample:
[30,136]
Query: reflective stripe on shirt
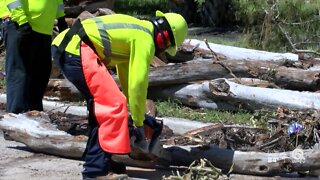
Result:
[14,4]
[103,27]
[60,7]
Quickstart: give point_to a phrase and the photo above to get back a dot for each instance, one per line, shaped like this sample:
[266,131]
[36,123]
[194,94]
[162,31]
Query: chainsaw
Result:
[150,148]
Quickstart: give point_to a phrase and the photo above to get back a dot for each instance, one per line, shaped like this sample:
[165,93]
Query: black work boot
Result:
[113,176]
[109,176]
[117,167]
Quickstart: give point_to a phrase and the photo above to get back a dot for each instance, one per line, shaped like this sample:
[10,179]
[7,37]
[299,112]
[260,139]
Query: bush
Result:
[139,7]
[272,24]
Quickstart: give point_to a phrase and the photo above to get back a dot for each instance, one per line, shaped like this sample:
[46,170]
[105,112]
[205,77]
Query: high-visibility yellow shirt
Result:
[39,14]
[127,43]
[4,11]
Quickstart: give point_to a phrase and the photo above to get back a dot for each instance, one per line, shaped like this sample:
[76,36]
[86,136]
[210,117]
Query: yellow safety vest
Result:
[4,11]
[39,14]
[127,43]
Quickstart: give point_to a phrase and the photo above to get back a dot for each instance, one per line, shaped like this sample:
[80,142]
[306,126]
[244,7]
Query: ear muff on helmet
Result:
[178,27]
[163,34]
[162,39]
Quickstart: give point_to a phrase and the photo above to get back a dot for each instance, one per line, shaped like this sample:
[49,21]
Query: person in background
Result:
[84,52]
[4,18]
[28,37]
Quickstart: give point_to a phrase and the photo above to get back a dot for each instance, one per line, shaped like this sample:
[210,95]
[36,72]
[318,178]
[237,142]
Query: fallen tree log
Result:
[254,163]
[34,130]
[73,9]
[63,89]
[288,78]
[236,53]
[284,77]
[227,95]
[265,97]
[277,177]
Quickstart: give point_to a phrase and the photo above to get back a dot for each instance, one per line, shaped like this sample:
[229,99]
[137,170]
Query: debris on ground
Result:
[274,138]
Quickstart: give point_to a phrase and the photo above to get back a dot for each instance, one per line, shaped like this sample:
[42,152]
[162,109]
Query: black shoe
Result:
[88,178]
[113,176]
[109,176]
[117,167]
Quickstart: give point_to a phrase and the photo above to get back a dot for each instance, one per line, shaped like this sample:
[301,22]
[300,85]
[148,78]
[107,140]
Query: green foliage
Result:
[139,7]
[230,39]
[298,19]
[301,20]
[199,4]
[260,118]
[175,109]
[249,12]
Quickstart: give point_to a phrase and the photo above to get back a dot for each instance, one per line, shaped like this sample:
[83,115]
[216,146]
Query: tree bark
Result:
[237,53]
[252,163]
[64,90]
[226,95]
[35,130]
[284,77]
[289,78]
[74,8]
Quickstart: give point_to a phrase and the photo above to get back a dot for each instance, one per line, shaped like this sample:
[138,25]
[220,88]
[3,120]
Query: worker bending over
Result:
[86,50]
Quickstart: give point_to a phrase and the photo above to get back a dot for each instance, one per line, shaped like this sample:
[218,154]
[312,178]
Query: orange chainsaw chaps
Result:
[110,104]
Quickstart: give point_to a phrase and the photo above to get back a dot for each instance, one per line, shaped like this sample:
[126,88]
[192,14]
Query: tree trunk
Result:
[74,8]
[226,95]
[63,89]
[284,77]
[237,53]
[254,163]
[35,130]
[290,78]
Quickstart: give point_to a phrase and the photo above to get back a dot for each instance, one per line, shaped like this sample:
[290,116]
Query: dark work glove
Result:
[135,131]
[149,123]
[152,123]
[139,131]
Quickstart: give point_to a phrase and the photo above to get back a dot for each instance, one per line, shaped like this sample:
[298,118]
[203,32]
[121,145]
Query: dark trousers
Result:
[2,24]
[97,161]
[28,68]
